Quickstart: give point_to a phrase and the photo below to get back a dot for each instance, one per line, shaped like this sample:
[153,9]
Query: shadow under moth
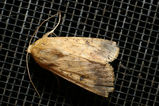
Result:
[80,60]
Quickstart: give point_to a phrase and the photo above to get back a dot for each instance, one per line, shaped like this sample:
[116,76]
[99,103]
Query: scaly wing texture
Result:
[69,62]
[93,49]
[94,77]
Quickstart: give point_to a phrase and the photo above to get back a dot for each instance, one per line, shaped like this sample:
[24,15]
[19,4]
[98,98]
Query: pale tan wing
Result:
[95,77]
[70,58]
[93,49]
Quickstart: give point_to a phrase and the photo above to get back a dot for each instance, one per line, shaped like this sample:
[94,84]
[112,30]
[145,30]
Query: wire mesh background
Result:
[134,25]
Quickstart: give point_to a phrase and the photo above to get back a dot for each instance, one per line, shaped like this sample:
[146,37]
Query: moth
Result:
[80,60]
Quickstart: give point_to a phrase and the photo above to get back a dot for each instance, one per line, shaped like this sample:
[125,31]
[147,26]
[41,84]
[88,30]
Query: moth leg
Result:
[54,34]
[58,81]
[126,68]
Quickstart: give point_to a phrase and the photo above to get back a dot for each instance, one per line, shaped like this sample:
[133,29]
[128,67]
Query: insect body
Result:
[83,61]
[80,60]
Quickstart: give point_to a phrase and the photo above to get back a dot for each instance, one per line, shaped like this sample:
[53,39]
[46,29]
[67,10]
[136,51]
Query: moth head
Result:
[29,49]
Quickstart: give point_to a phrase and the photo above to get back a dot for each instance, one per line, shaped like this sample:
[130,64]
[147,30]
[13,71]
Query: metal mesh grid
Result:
[134,25]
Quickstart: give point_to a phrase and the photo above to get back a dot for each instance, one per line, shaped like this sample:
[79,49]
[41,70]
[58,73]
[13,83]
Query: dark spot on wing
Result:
[87,42]
[82,77]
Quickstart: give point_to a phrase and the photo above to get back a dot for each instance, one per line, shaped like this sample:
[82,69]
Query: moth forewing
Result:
[82,61]
[93,49]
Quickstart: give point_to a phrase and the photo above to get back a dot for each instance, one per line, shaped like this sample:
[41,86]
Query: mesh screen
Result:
[134,25]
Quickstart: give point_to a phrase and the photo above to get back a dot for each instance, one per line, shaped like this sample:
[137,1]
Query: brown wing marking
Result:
[96,78]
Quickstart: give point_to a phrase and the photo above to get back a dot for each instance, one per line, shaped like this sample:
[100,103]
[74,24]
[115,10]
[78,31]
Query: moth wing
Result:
[94,77]
[82,61]
[93,49]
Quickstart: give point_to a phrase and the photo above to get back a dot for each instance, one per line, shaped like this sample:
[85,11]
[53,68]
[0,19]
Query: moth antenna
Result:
[52,31]
[30,76]
[27,66]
